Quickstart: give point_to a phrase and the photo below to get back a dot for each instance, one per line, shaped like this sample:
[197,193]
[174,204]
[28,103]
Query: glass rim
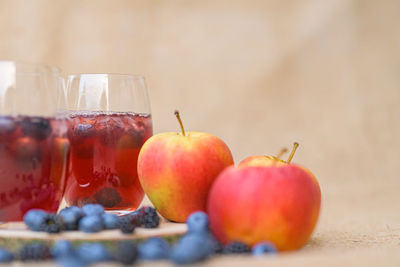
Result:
[134,76]
[36,67]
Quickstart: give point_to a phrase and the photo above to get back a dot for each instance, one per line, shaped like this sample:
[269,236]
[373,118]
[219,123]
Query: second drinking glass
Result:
[110,120]
[33,143]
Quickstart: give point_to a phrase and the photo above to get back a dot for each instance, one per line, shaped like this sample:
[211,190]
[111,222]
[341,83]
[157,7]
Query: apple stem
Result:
[283,151]
[295,145]
[176,112]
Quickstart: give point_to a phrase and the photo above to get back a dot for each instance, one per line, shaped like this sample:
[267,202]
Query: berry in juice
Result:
[103,158]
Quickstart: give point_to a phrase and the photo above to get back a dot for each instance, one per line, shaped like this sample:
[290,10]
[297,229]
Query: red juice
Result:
[103,158]
[33,155]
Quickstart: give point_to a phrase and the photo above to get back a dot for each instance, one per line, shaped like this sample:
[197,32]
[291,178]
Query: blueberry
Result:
[5,256]
[91,224]
[108,197]
[7,127]
[132,139]
[83,130]
[34,251]
[264,248]
[82,141]
[236,247]
[214,245]
[110,221]
[93,209]
[93,252]
[197,222]
[189,249]
[36,127]
[71,216]
[70,261]
[126,252]
[109,130]
[34,219]
[52,224]
[7,124]
[153,249]
[74,209]
[127,224]
[62,248]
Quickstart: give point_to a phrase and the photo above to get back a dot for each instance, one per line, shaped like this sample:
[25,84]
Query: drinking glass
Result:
[109,120]
[33,143]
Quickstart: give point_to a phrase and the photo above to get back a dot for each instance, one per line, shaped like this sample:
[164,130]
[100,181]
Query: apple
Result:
[265,199]
[176,170]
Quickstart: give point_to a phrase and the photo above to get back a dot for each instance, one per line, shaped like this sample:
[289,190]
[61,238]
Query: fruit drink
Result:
[103,158]
[33,155]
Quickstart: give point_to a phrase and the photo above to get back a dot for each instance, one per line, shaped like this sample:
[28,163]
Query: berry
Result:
[110,221]
[148,217]
[92,252]
[34,219]
[52,223]
[264,248]
[189,249]
[7,127]
[108,197]
[70,261]
[5,256]
[132,138]
[93,209]
[109,129]
[236,247]
[126,252]
[126,224]
[91,224]
[27,153]
[83,130]
[36,127]
[133,217]
[62,248]
[153,249]
[71,216]
[197,222]
[7,124]
[34,251]
[215,246]
[82,141]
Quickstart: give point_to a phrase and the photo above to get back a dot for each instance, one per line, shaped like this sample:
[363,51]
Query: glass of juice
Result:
[33,142]
[109,120]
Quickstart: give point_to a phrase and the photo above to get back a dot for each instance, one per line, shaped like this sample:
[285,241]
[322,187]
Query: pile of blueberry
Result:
[195,246]
[91,218]
[199,243]
[126,252]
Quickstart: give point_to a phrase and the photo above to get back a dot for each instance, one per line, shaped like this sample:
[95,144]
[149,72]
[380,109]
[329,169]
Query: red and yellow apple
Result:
[176,170]
[265,199]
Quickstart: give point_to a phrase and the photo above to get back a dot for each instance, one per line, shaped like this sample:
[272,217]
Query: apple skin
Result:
[255,203]
[176,171]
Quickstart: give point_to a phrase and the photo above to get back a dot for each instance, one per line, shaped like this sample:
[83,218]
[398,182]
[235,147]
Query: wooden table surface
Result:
[18,230]
[324,249]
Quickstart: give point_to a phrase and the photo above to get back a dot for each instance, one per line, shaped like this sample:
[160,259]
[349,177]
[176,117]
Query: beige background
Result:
[260,75]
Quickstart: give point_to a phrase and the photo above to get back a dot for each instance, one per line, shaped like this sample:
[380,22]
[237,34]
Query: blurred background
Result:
[258,74]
